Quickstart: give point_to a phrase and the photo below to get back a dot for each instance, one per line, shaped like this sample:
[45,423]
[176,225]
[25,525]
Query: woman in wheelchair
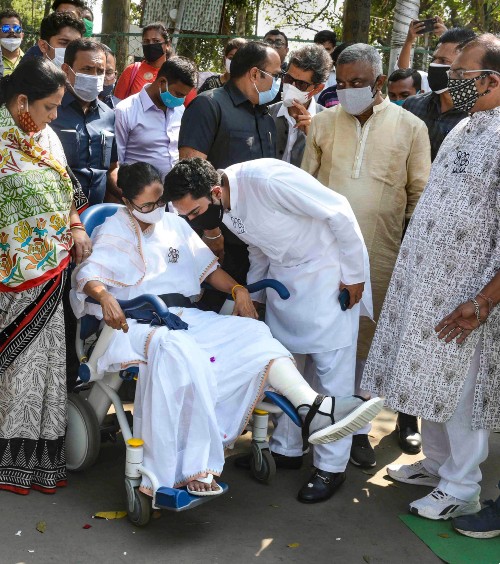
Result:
[200,373]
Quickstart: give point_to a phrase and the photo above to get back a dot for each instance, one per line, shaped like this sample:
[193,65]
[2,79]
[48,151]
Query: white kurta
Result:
[306,236]
[196,388]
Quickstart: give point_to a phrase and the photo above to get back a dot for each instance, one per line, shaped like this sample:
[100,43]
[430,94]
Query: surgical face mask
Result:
[464,92]
[89,27]
[170,100]
[154,216]
[398,102]
[227,62]
[87,86]
[58,59]
[211,219]
[437,77]
[153,51]
[11,43]
[107,90]
[268,95]
[291,93]
[355,101]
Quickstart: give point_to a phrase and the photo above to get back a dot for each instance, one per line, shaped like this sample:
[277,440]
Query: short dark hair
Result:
[190,176]
[108,50]
[233,44]
[10,14]
[253,54]
[338,50]
[277,32]
[157,26]
[81,45]
[53,23]
[402,74]
[180,69]
[35,77]
[133,178]
[77,3]
[457,35]
[86,8]
[324,36]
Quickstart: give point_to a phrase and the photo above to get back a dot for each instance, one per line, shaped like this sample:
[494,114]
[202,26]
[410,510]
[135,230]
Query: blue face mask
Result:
[269,95]
[398,102]
[107,90]
[170,100]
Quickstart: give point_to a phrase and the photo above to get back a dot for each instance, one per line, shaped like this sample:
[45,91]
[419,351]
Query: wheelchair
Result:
[89,403]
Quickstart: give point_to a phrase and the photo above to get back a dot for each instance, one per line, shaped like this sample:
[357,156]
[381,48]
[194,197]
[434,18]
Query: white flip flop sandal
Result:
[208,480]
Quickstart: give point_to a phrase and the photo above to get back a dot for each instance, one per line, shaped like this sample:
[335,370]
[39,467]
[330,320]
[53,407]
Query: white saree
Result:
[196,388]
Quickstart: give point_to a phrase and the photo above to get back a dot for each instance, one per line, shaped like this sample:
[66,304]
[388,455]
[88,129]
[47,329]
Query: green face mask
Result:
[89,27]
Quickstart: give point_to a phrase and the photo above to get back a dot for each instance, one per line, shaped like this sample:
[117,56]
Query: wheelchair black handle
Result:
[141,302]
[280,288]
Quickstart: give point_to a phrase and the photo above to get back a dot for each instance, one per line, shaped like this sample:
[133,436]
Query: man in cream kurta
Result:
[307,237]
[378,157]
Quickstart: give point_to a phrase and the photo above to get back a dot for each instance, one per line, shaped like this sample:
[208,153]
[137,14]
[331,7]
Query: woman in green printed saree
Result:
[39,230]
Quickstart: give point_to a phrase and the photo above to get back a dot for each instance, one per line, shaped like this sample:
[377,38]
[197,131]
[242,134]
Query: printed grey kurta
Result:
[450,252]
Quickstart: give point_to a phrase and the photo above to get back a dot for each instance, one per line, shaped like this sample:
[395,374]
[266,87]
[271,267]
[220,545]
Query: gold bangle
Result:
[234,288]
[78,227]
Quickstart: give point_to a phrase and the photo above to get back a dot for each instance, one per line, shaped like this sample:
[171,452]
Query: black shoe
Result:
[362,453]
[409,437]
[321,486]
[282,461]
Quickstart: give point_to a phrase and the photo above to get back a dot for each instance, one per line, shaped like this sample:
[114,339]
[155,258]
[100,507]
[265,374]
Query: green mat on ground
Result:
[449,545]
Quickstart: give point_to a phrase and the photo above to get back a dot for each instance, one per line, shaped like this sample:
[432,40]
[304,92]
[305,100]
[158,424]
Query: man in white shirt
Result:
[148,123]
[306,236]
[307,73]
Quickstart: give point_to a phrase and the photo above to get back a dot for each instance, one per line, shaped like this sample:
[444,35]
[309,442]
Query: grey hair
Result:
[364,53]
[315,58]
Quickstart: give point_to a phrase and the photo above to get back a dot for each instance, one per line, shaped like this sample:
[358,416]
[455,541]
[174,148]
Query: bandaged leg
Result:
[325,419]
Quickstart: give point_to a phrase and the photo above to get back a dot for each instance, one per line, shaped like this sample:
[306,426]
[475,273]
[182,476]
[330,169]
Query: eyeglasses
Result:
[110,74]
[459,73]
[275,76]
[15,28]
[302,85]
[275,43]
[149,207]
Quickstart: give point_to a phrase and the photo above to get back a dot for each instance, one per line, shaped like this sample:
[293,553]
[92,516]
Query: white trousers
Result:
[453,451]
[330,373]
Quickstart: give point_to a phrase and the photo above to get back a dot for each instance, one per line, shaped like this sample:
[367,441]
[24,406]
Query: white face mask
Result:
[291,93]
[11,43]
[227,62]
[152,217]
[87,87]
[58,59]
[355,101]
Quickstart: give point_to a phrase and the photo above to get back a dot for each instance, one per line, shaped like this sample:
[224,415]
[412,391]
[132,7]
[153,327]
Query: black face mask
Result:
[153,51]
[438,79]
[211,219]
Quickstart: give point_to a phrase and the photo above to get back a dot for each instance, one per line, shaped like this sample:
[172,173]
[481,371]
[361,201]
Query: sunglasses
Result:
[302,85]
[276,43]
[15,28]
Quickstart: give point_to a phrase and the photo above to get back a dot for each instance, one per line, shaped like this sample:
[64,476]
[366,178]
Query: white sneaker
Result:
[412,474]
[439,505]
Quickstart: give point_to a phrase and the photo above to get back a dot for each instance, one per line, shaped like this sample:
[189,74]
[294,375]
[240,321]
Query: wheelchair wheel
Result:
[83,437]
[262,464]
[141,514]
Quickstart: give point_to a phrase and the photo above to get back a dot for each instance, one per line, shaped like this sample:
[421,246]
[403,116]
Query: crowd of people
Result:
[375,199]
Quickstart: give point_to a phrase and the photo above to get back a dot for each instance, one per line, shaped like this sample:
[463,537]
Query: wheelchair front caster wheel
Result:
[262,464]
[141,514]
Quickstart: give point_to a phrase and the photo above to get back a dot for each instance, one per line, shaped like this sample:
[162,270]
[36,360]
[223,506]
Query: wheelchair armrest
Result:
[280,288]
[146,301]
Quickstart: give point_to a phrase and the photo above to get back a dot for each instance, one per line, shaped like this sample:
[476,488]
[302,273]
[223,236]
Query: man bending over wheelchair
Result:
[200,373]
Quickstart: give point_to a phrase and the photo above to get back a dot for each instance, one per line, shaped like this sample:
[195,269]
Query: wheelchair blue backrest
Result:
[95,215]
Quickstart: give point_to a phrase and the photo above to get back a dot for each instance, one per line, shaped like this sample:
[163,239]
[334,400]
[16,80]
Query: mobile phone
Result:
[428,27]
[344,299]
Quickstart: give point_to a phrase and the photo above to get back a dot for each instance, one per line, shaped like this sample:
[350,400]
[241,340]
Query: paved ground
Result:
[252,523]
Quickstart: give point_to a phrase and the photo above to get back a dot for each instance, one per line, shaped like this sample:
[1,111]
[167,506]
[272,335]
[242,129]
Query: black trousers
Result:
[72,362]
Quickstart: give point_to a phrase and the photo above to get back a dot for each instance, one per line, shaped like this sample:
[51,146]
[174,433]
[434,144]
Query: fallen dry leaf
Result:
[366,558]
[293,545]
[110,515]
[41,526]
[87,526]
[444,535]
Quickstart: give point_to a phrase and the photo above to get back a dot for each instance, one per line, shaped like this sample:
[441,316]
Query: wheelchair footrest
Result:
[179,499]
[286,406]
